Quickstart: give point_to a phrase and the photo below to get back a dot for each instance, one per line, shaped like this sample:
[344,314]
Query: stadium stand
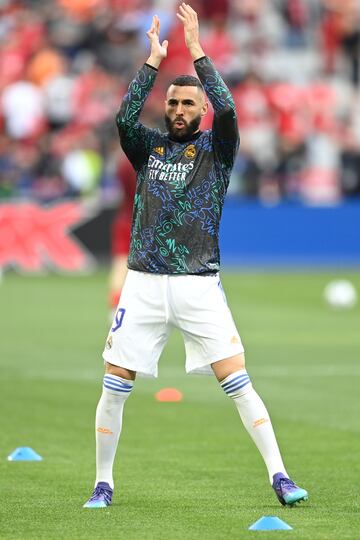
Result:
[292,65]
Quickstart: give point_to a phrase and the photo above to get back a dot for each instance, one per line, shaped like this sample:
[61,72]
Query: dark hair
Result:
[187,80]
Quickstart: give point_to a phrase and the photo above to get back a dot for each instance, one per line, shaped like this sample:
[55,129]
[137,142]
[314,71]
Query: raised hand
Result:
[188,17]
[158,51]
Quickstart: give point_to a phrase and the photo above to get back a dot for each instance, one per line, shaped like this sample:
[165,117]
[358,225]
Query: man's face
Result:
[184,108]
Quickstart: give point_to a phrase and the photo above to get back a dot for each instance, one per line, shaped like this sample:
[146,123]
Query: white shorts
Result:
[151,305]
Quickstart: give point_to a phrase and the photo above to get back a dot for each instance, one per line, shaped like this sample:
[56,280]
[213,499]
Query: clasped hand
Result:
[188,16]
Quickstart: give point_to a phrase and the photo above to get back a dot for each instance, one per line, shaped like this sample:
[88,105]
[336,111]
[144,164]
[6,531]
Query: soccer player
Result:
[173,280]
[120,234]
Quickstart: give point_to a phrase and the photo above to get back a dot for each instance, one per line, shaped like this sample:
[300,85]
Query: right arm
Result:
[135,138]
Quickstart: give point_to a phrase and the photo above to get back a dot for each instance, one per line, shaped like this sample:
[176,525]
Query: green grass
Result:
[184,470]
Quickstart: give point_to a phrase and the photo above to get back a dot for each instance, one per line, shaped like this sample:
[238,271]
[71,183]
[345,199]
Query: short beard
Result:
[186,132]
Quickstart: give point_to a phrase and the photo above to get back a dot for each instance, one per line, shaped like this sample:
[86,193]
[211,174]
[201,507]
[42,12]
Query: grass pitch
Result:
[184,470]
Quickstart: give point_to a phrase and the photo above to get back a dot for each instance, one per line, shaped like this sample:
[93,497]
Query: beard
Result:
[185,133]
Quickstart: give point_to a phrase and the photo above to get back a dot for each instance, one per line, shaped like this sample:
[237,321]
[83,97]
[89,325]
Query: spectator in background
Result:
[291,159]
[94,95]
[23,110]
[296,16]
[350,154]
[256,125]
[257,31]
[340,29]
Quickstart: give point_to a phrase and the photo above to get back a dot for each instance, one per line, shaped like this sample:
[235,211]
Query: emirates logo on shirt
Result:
[190,151]
[168,172]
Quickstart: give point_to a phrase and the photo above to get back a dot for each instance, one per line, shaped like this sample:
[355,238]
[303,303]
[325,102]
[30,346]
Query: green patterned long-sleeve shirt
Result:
[181,186]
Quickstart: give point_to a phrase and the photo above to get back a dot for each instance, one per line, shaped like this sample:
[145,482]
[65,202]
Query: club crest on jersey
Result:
[190,151]
[159,150]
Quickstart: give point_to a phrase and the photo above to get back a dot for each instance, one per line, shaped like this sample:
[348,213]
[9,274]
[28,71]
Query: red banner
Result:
[33,238]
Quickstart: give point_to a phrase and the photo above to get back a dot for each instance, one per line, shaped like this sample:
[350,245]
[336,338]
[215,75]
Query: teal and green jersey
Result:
[181,186]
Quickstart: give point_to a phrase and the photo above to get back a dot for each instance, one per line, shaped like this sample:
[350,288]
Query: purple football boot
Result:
[101,497]
[287,491]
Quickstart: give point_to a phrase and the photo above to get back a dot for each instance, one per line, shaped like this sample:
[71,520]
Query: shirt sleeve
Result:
[225,127]
[135,138]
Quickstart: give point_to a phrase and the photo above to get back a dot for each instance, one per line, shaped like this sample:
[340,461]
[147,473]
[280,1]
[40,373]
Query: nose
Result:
[179,110]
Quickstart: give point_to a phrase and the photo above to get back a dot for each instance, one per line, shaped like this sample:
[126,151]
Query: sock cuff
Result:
[117,385]
[236,384]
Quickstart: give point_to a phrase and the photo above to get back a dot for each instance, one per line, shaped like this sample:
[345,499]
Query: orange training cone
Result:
[169,394]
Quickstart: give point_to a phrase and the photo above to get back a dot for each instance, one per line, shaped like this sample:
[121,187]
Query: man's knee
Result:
[224,368]
[120,371]
[232,376]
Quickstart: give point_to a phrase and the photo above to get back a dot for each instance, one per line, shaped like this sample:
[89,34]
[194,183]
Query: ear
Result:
[204,108]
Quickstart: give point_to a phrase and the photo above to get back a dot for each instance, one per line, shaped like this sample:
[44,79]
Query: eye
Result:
[172,102]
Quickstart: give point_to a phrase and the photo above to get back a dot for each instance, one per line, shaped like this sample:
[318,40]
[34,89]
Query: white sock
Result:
[108,425]
[256,419]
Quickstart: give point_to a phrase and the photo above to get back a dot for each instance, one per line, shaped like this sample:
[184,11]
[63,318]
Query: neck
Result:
[190,137]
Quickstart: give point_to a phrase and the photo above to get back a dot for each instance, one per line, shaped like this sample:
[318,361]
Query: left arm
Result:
[225,127]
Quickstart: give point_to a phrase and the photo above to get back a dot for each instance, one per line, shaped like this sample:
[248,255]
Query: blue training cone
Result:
[269,523]
[24,453]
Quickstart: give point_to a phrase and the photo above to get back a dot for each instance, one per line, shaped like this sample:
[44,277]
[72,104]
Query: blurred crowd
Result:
[292,65]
